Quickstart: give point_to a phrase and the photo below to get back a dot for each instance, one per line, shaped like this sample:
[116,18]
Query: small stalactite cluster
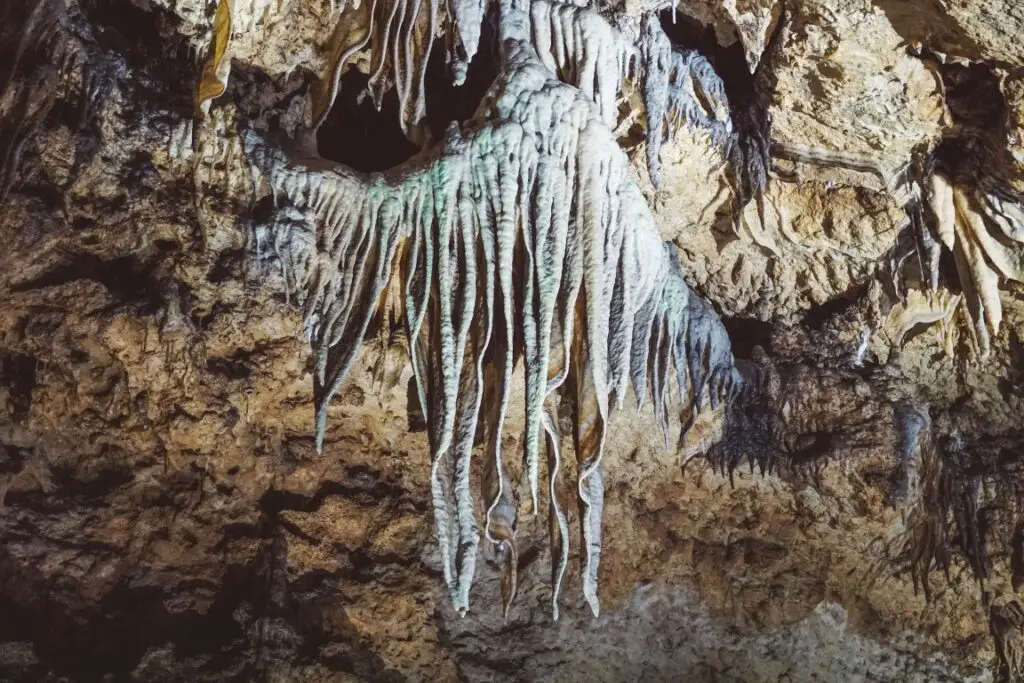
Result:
[961,502]
[792,418]
[582,48]
[982,225]
[926,542]
[679,85]
[522,238]
[962,203]
[399,35]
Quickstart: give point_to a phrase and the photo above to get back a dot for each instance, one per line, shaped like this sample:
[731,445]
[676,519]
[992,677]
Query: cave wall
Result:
[165,514]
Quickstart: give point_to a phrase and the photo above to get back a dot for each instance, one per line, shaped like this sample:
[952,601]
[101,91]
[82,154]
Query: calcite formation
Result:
[797,226]
[525,238]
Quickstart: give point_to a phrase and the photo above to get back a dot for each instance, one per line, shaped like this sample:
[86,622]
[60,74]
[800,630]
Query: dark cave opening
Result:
[447,102]
[357,134]
[747,333]
[148,39]
[978,107]
[975,96]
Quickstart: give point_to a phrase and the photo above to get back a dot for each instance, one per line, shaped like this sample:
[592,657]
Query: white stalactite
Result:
[466,17]
[523,236]
[679,86]
[579,46]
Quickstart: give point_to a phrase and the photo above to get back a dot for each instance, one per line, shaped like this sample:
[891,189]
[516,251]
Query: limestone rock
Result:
[165,515]
[850,101]
[988,30]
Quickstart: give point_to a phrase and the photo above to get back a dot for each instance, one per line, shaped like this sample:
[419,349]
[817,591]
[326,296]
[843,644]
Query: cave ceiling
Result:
[514,340]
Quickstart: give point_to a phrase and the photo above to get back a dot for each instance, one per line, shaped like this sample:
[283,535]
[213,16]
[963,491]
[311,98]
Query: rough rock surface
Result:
[164,514]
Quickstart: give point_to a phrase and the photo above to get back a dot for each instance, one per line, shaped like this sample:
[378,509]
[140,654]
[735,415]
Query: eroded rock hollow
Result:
[511,340]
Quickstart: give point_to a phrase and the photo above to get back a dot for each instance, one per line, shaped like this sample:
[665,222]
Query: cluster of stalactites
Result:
[400,36]
[911,424]
[576,43]
[679,86]
[923,493]
[950,486]
[983,227]
[582,48]
[523,238]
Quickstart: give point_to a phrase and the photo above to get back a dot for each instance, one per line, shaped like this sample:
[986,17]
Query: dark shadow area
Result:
[746,333]
[359,136]
[163,623]
[447,102]
[87,646]
[730,62]
[975,148]
[18,375]
[975,97]
[128,280]
[819,315]
[148,40]
[233,367]
[12,459]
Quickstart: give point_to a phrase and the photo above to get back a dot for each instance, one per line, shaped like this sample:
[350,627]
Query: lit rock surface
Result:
[844,505]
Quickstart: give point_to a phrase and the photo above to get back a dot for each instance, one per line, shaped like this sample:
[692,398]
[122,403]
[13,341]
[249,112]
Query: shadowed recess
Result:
[357,134]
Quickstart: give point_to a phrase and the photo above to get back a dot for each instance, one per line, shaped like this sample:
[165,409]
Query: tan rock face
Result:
[164,514]
[960,28]
[848,88]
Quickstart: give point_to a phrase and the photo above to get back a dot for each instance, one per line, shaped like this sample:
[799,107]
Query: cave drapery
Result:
[523,237]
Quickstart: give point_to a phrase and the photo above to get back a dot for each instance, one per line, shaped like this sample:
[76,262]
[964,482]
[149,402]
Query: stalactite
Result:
[1006,211]
[963,498]
[926,542]
[575,43]
[401,37]
[578,44]
[350,35]
[750,423]
[464,35]
[941,197]
[911,424]
[217,65]
[921,307]
[582,48]
[983,226]
[929,249]
[522,236]
[679,85]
